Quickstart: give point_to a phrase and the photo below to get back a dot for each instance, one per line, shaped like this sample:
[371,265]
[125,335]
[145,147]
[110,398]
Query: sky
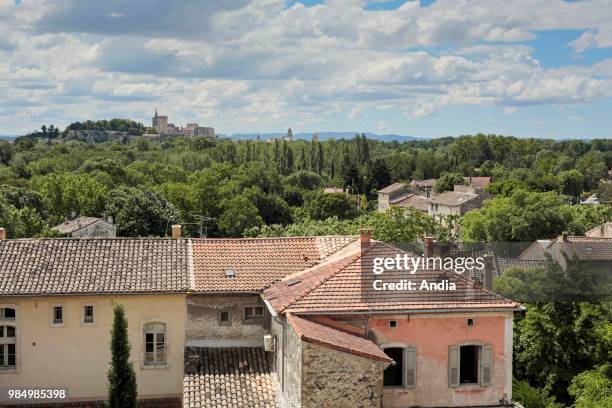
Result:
[528,68]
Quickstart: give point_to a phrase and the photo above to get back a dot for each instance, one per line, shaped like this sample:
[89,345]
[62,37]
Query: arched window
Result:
[8,347]
[7,313]
[155,340]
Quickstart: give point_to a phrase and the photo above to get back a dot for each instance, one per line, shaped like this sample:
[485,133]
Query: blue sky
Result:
[529,68]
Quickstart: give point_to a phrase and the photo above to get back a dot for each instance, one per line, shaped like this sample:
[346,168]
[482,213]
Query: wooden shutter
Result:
[410,367]
[487,365]
[453,366]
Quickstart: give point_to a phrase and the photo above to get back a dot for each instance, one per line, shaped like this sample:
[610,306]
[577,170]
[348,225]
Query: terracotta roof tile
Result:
[98,265]
[348,287]
[259,262]
[326,336]
[478,182]
[228,378]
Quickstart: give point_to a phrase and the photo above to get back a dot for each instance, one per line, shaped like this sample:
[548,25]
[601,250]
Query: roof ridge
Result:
[94,239]
[295,237]
[340,265]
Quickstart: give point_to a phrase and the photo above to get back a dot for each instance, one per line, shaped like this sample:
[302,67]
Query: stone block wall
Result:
[203,318]
[333,378]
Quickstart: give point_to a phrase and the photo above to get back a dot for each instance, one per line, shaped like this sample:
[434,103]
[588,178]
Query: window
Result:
[155,344]
[393,324]
[401,374]
[253,313]
[470,322]
[88,314]
[225,318]
[8,351]
[58,315]
[470,364]
[7,313]
[393,375]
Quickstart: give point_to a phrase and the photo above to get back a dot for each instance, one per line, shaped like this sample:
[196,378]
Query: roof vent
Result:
[230,273]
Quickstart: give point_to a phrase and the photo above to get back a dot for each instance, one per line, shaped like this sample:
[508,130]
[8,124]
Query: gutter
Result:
[410,311]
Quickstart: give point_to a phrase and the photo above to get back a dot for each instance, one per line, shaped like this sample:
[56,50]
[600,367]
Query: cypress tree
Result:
[121,377]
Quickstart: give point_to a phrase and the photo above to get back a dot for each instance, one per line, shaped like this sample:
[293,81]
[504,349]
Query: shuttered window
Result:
[453,366]
[401,374]
[411,363]
[487,365]
[470,365]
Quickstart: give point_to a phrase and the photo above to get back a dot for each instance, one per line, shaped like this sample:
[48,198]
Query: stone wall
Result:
[287,363]
[333,378]
[203,319]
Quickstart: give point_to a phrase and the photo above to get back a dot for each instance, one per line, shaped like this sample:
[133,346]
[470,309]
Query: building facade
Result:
[269,322]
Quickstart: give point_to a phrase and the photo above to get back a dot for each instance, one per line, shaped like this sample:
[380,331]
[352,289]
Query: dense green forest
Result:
[227,188]
[275,188]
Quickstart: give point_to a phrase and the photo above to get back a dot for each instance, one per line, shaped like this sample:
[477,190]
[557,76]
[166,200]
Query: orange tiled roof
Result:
[93,266]
[347,286]
[326,336]
[258,262]
[228,378]
[478,182]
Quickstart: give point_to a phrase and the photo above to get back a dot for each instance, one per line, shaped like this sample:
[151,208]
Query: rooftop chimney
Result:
[176,231]
[429,241]
[365,236]
[2,234]
[564,236]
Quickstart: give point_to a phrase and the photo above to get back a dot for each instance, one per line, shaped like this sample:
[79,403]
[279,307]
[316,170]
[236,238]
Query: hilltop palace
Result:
[162,127]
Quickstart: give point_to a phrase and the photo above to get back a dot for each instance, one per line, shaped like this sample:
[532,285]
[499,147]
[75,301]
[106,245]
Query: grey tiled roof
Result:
[452,198]
[93,266]
[506,263]
[392,187]
[238,377]
[76,224]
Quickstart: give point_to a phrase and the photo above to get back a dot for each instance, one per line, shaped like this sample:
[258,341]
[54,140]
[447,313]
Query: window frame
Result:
[14,323]
[3,309]
[83,315]
[406,364]
[253,319]
[52,321]
[221,322]
[485,362]
[144,365]
[4,343]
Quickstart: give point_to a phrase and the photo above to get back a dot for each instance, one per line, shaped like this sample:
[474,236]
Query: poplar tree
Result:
[121,377]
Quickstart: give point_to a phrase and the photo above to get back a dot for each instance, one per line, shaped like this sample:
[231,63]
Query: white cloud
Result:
[245,62]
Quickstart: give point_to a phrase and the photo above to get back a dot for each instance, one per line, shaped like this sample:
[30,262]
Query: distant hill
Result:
[7,137]
[327,135]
